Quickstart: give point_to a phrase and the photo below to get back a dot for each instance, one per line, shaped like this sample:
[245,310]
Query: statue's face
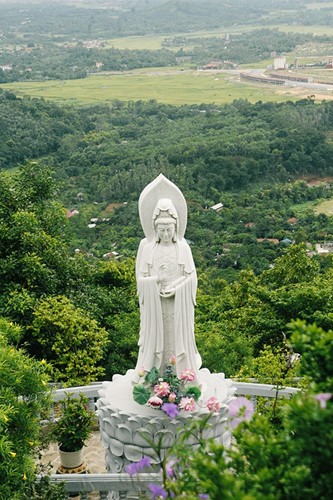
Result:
[165,232]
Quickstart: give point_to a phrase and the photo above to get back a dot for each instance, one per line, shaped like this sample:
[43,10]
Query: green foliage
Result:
[264,462]
[276,366]
[32,250]
[315,346]
[74,425]
[24,401]
[236,324]
[293,267]
[43,489]
[268,461]
[69,339]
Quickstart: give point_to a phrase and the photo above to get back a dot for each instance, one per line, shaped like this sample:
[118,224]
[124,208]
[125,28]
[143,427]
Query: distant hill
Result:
[108,19]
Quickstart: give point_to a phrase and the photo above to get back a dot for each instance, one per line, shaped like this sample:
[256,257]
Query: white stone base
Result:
[127,426]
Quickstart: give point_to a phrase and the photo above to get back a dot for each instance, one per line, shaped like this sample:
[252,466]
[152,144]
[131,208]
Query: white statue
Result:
[166,281]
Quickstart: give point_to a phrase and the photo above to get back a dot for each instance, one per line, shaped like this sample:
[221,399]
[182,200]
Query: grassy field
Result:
[154,42]
[187,87]
[326,207]
[322,207]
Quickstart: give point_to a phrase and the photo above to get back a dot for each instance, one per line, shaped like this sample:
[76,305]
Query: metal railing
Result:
[124,485]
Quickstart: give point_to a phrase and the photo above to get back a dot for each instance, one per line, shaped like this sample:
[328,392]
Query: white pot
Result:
[71,459]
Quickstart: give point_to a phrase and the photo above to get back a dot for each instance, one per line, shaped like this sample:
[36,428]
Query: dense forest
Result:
[110,152]
[103,156]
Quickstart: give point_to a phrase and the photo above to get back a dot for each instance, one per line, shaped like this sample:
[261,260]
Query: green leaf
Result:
[141,394]
[193,391]
[152,376]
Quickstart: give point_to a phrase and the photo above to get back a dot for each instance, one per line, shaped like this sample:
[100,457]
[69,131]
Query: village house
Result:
[217,208]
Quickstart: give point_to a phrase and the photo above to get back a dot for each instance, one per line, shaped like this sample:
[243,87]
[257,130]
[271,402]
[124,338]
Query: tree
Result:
[33,253]
[24,402]
[69,339]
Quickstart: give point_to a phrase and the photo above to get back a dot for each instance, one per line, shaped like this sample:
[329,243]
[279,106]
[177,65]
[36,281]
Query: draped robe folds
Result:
[154,321]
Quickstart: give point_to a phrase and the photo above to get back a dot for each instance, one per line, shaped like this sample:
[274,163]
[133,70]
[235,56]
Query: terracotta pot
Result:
[71,459]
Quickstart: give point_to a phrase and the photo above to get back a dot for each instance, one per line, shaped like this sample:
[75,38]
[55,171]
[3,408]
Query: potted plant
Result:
[72,429]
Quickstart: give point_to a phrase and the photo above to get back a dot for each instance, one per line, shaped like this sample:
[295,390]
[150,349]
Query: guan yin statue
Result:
[166,285]
[166,281]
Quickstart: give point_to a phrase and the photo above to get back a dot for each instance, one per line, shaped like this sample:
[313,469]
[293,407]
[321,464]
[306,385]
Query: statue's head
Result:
[165,220]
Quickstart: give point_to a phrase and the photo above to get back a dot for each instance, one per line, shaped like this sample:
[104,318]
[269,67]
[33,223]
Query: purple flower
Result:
[136,467]
[323,398]
[204,496]
[131,469]
[170,409]
[240,409]
[170,468]
[157,491]
[144,462]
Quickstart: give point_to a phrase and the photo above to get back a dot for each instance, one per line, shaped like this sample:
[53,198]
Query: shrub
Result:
[69,339]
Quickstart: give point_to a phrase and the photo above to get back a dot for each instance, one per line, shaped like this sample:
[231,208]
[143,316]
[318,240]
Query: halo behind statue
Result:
[160,188]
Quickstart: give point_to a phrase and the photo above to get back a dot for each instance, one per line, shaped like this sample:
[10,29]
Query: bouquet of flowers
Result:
[168,392]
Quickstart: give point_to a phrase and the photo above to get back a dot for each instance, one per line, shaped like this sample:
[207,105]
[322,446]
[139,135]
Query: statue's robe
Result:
[153,326]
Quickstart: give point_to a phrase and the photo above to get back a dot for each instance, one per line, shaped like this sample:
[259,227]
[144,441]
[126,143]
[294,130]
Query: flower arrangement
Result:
[168,392]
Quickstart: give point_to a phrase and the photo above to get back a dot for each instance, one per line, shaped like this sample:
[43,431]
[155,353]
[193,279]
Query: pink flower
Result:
[241,409]
[172,360]
[155,402]
[213,404]
[323,398]
[162,389]
[188,375]
[172,397]
[141,372]
[187,404]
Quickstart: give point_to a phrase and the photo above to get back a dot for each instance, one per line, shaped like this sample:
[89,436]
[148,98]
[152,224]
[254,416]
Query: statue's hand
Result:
[170,292]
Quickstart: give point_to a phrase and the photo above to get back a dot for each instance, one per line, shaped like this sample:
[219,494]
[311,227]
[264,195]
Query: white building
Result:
[280,63]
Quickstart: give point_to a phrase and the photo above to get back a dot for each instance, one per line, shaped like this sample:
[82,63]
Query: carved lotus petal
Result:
[105,439]
[108,426]
[139,437]
[124,416]
[133,453]
[114,464]
[115,420]
[174,426]
[157,423]
[123,433]
[134,423]
[168,438]
[116,447]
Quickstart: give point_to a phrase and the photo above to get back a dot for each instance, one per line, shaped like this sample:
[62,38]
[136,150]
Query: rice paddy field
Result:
[172,87]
